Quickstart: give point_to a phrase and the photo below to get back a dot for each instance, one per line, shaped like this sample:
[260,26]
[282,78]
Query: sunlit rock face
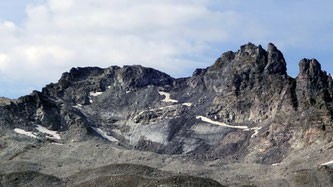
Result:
[242,110]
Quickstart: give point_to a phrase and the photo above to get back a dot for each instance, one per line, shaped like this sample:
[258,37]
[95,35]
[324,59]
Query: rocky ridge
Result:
[242,110]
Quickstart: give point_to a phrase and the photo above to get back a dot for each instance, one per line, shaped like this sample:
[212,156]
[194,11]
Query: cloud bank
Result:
[174,36]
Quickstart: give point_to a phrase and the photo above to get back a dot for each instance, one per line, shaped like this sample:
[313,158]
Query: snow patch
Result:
[105,135]
[245,128]
[205,119]
[167,97]
[128,92]
[165,107]
[57,144]
[109,87]
[256,131]
[53,134]
[96,93]
[78,106]
[328,163]
[187,104]
[21,131]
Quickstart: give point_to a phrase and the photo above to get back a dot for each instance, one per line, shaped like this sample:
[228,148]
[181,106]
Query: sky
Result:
[41,39]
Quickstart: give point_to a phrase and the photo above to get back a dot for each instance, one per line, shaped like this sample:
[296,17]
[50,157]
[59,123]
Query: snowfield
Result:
[187,104]
[21,131]
[53,134]
[205,119]
[167,97]
[245,128]
[96,93]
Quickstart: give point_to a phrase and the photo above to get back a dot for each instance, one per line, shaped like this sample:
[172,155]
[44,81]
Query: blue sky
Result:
[40,39]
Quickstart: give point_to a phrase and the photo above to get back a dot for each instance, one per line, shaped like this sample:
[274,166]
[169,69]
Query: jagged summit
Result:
[244,110]
[255,57]
[309,67]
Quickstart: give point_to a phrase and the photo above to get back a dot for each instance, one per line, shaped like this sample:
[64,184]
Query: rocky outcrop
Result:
[250,84]
[35,108]
[75,86]
[313,84]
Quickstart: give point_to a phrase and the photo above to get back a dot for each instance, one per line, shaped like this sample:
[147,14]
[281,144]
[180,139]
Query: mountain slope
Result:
[244,110]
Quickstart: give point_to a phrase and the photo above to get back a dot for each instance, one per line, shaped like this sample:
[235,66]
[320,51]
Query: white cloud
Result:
[60,34]
[4,59]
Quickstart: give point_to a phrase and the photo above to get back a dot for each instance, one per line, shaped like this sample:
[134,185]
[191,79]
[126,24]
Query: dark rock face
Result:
[312,82]
[242,109]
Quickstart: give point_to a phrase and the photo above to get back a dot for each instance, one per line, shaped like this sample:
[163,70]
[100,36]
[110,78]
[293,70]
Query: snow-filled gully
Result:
[330,163]
[167,97]
[26,133]
[245,128]
[52,134]
[105,135]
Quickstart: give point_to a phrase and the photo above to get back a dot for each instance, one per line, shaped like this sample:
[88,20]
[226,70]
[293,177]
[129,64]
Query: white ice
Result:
[167,97]
[21,131]
[53,134]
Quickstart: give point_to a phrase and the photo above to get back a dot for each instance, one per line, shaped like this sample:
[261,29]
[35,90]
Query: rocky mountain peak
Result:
[253,58]
[275,61]
[313,83]
[243,111]
[312,75]
[251,53]
[250,49]
[140,76]
[309,68]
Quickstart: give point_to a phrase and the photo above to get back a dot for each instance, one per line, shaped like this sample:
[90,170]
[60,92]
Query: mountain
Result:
[241,121]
